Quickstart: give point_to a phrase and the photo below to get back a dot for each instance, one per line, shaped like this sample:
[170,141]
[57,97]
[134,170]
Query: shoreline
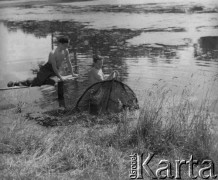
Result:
[13,3]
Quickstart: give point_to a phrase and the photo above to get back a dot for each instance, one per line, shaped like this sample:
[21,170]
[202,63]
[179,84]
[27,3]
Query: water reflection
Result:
[83,41]
[109,43]
[207,48]
[140,64]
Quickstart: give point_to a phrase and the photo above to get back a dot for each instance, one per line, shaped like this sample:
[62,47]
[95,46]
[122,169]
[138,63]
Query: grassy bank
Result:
[89,147]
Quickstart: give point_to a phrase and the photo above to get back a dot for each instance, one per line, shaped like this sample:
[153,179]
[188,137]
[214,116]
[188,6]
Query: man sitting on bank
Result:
[96,75]
[51,68]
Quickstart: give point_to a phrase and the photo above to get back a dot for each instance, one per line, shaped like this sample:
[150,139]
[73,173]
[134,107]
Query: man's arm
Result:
[69,63]
[114,74]
[54,66]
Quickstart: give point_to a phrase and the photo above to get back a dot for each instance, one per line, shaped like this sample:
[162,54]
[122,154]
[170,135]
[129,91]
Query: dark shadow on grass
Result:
[65,117]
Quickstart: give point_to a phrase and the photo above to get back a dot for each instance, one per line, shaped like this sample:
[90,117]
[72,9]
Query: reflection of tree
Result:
[111,43]
[207,48]
[89,41]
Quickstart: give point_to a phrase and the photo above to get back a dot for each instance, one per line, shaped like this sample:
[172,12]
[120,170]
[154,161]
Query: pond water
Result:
[173,42]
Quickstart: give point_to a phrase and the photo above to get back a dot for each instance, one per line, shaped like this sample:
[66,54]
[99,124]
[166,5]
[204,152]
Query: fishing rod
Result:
[66,79]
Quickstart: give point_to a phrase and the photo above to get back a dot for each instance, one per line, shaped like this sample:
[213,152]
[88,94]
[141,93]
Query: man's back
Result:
[57,56]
